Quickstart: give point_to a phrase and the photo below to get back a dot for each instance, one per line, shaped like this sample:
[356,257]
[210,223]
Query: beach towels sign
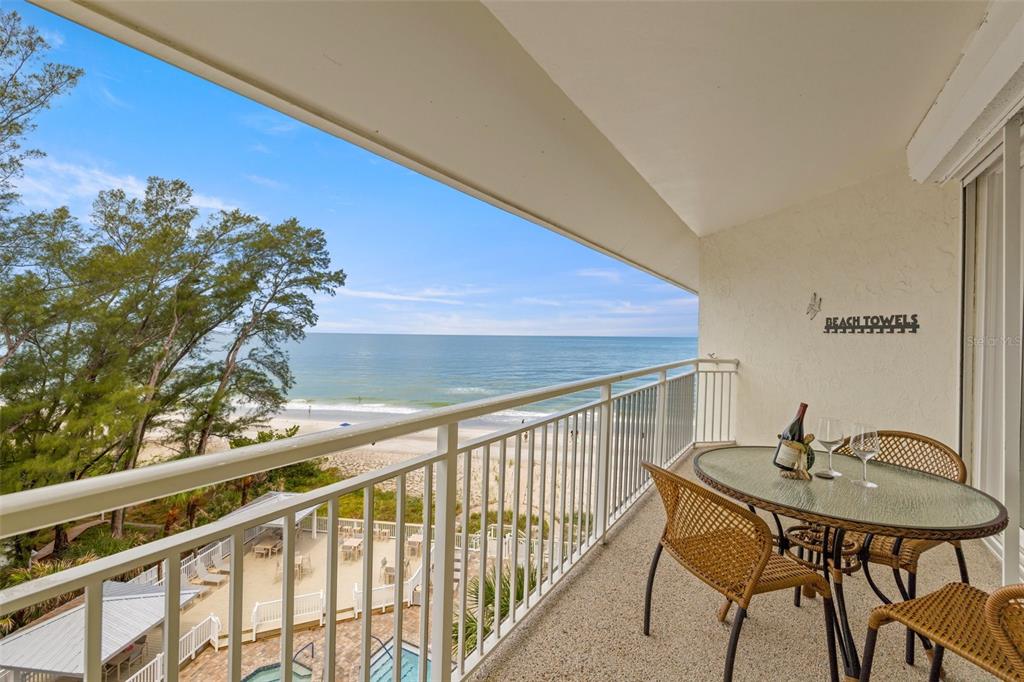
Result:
[872,324]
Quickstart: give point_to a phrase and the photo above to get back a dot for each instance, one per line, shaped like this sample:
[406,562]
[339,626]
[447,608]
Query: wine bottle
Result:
[788,453]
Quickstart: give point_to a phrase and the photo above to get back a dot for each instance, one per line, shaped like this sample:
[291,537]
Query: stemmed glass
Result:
[864,444]
[830,433]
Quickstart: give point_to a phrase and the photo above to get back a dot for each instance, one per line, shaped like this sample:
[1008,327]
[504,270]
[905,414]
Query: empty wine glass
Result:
[864,443]
[830,433]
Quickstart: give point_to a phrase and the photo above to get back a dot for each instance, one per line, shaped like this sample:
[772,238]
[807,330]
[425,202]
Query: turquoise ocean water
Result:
[376,374]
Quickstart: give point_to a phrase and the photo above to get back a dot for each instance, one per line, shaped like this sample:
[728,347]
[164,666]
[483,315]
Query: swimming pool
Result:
[382,665]
[272,673]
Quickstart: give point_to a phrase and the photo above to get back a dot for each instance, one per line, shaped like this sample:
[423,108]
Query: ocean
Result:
[378,375]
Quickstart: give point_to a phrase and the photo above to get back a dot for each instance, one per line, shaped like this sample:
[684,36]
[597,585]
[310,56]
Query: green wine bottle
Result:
[789,452]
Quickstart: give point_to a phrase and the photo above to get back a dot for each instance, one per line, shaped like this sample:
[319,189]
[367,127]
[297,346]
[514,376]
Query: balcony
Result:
[873,175]
[540,497]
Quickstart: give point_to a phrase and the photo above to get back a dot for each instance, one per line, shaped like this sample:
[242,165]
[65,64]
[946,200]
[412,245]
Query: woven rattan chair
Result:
[921,453]
[731,550]
[987,630]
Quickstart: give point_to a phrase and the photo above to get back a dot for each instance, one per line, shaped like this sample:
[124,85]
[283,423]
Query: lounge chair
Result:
[208,578]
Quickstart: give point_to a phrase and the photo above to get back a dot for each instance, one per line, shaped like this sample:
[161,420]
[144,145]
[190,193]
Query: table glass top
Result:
[904,498]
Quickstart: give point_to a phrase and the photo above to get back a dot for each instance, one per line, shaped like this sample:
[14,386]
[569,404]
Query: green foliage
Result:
[149,319]
[98,541]
[153,322]
[385,506]
[471,624]
[16,575]
[30,84]
[298,477]
[492,517]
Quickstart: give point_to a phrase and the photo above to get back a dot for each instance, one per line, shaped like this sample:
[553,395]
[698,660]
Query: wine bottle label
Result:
[788,456]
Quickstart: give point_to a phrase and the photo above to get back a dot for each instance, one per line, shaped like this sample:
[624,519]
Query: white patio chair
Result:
[208,578]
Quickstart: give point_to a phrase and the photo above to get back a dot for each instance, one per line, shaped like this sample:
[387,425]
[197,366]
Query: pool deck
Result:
[262,582]
[212,665]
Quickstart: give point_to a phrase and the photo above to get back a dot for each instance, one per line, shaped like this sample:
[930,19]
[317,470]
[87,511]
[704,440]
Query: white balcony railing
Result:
[549,489]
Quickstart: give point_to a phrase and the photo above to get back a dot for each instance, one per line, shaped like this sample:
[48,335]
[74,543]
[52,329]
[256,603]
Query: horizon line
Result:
[542,336]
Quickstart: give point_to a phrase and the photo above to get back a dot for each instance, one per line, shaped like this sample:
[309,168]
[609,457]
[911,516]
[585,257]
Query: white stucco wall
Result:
[885,246]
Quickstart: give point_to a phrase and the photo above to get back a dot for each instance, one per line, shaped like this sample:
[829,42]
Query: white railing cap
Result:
[42,507]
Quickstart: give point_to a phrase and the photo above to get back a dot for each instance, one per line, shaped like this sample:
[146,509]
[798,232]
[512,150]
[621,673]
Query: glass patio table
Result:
[906,504]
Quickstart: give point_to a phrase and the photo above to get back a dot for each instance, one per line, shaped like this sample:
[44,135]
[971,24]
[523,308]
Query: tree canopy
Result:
[149,323]
[146,321]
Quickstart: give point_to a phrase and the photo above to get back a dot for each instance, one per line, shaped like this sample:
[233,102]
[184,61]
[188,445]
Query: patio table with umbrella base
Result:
[351,548]
[906,504]
[415,543]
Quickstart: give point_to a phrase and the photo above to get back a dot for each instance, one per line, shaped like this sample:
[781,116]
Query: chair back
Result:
[914,451]
[720,542]
[1004,613]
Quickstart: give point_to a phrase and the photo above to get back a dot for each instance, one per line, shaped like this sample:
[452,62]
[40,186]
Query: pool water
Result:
[272,673]
[383,665]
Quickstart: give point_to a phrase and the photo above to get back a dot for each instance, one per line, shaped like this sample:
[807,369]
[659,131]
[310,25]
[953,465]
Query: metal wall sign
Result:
[872,324]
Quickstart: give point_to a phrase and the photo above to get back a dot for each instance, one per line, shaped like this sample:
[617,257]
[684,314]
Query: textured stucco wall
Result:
[884,246]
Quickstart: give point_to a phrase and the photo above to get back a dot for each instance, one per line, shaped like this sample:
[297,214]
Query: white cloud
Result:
[593,324]
[393,296]
[681,302]
[270,123]
[54,39]
[450,292]
[112,99]
[260,148]
[627,308]
[49,183]
[262,181]
[533,300]
[600,273]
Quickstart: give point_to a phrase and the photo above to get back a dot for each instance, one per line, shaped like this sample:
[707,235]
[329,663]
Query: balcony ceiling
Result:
[630,127]
[440,87]
[733,110]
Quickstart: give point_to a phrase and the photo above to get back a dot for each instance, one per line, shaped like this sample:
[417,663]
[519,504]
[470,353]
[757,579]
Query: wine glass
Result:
[830,433]
[864,444]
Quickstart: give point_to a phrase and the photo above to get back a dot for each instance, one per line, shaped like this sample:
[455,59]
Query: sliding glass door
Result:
[991,336]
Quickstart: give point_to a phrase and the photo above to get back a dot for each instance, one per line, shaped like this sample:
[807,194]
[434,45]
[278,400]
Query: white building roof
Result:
[56,645]
[265,501]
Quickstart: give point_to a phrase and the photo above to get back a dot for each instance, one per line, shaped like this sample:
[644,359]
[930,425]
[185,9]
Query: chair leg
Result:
[723,611]
[830,633]
[796,590]
[869,655]
[911,592]
[650,588]
[961,563]
[734,638]
[936,670]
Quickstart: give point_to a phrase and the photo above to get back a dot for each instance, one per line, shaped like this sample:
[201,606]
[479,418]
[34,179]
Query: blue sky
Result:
[420,257]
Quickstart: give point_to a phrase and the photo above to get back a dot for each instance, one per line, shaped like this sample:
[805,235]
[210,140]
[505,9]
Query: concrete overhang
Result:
[630,127]
[440,87]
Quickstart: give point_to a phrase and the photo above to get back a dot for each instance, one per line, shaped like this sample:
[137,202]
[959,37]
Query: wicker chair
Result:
[921,453]
[987,630]
[730,549]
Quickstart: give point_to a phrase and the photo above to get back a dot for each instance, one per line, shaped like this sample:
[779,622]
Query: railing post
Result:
[93,664]
[172,616]
[660,414]
[603,450]
[287,596]
[331,599]
[444,562]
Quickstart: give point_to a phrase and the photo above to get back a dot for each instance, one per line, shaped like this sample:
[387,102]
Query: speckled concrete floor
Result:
[590,626]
